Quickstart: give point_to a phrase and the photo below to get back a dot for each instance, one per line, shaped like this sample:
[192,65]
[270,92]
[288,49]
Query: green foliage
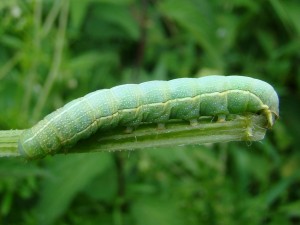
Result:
[55,51]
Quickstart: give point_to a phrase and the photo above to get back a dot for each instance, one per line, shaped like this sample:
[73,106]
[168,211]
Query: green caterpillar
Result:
[152,102]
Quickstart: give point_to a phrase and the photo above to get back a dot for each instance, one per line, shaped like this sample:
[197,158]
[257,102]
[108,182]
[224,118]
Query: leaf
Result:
[104,187]
[148,211]
[292,209]
[112,21]
[278,190]
[288,13]
[78,10]
[198,19]
[69,176]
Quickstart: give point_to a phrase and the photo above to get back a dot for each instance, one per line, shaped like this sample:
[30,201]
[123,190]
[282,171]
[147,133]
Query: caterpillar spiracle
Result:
[149,102]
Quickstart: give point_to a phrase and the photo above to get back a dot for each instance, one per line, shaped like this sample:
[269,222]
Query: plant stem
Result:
[36,48]
[57,59]
[241,128]
[249,128]
[9,143]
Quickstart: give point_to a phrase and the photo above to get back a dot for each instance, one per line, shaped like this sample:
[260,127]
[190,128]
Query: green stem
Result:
[9,143]
[35,61]
[241,128]
[57,59]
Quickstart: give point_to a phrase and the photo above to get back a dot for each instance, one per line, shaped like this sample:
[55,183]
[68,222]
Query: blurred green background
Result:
[54,51]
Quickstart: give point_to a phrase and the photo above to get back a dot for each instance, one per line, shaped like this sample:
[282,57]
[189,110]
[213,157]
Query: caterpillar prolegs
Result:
[150,102]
